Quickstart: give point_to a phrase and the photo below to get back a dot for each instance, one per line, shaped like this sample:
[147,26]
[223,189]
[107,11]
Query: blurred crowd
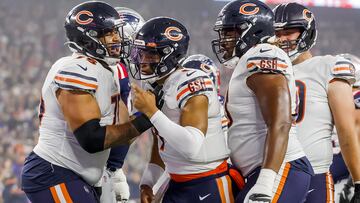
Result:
[32,39]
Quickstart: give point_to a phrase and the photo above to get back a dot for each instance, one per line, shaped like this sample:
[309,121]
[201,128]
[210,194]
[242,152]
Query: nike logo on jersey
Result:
[264,50]
[188,74]
[201,198]
[82,67]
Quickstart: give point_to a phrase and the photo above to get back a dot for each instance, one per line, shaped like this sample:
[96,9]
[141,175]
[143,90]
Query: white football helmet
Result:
[134,21]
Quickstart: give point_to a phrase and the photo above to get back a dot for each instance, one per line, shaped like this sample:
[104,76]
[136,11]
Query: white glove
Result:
[121,187]
[261,192]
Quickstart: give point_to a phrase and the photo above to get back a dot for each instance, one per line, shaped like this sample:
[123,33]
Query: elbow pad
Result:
[91,136]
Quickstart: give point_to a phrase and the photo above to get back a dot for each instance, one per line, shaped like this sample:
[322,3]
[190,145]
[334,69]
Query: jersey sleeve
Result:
[268,59]
[192,83]
[77,77]
[343,69]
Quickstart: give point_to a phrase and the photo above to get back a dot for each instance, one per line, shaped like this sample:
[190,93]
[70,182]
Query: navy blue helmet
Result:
[251,20]
[294,15]
[87,22]
[163,37]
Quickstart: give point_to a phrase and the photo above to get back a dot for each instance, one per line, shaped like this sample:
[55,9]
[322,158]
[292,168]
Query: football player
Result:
[78,111]
[260,102]
[185,111]
[324,85]
[338,167]
[114,186]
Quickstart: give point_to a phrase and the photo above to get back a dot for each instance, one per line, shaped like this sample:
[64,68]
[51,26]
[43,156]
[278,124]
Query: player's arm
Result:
[356,93]
[272,93]
[187,137]
[82,113]
[152,173]
[123,113]
[343,110]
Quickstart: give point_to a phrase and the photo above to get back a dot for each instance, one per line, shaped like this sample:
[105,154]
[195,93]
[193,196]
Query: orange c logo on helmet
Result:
[88,18]
[255,9]
[307,15]
[171,35]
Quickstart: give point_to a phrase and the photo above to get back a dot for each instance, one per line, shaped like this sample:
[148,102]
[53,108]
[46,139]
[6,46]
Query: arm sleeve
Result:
[117,156]
[186,140]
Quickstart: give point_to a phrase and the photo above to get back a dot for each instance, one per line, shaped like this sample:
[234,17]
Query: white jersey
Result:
[248,131]
[57,144]
[178,89]
[315,122]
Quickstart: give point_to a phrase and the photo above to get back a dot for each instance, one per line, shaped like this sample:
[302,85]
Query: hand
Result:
[121,188]
[146,193]
[144,101]
[258,194]
[356,197]
[261,192]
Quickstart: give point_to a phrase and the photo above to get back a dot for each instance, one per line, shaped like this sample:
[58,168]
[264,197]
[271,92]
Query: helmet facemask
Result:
[92,45]
[152,63]
[294,47]
[226,46]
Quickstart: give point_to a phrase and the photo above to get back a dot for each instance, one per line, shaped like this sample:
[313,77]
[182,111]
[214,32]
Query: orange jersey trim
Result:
[76,81]
[342,68]
[187,89]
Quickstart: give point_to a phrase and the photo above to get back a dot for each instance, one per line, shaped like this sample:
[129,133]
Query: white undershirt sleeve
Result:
[186,140]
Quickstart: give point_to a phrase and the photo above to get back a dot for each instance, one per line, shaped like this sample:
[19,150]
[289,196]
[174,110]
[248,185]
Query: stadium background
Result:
[32,38]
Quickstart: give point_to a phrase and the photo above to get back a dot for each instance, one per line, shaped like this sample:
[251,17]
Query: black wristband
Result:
[141,123]
[357,187]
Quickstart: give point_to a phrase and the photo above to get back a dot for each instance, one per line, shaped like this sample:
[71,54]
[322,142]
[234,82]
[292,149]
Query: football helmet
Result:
[251,20]
[161,43]
[132,19]
[294,15]
[356,62]
[206,64]
[86,23]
